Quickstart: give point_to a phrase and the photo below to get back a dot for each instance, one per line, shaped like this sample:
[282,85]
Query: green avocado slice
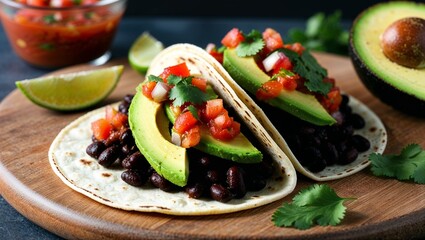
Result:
[239,149]
[250,77]
[149,126]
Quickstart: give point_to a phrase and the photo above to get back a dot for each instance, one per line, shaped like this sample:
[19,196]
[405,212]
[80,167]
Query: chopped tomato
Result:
[200,83]
[332,100]
[115,118]
[38,3]
[191,137]
[283,62]
[217,55]
[213,108]
[268,90]
[233,38]
[101,129]
[272,40]
[288,82]
[223,120]
[147,89]
[296,47]
[225,134]
[63,3]
[184,122]
[178,70]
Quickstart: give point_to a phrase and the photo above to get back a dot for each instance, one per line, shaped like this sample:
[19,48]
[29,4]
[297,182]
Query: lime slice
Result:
[71,91]
[142,51]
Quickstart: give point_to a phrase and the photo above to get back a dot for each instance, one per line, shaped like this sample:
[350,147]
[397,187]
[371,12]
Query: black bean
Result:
[195,190]
[313,159]
[161,183]
[109,156]
[361,143]
[330,153]
[128,98]
[135,161]
[220,193]
[357,121]
[113,139]
[348,156]
[128,150]
[346,110]
[213,176]
[255,183]
[95,149]
[339,117]
[345,100]
[236,182]
[134,177]
[123,107]
[126,137]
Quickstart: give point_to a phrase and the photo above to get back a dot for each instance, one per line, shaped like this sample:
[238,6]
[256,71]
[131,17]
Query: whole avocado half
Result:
[400,87]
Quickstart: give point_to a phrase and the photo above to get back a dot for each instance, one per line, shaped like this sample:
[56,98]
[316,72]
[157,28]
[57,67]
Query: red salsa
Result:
[53,34]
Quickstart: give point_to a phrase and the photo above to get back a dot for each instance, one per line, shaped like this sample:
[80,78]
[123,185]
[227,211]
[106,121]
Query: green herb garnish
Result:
[316,204]
[49,19]
[282,73]
[322,33]
[47,46]
[183,91]
[153,78]
[252,44]
[408,165]
[307,67]
[192,109]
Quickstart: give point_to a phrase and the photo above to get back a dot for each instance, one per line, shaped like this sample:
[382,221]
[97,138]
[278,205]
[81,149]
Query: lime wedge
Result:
[71,91]
[142,51]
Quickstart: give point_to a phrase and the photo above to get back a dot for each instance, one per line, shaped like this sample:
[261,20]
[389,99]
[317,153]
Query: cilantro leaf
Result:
[322,33]
[308,68]
[182,93]
[174,79]
[194,111]
[252,44]
[408,165]
[153,78]
[315,204]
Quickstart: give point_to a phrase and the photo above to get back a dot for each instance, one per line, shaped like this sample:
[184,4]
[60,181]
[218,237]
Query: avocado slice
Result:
[245,71]
[149,126]
[239,149]
[396,85]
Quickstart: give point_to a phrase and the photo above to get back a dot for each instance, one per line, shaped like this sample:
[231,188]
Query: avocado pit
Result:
[403,42]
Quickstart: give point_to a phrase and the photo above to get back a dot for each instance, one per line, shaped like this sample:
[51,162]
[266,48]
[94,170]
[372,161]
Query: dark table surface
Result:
[199,31]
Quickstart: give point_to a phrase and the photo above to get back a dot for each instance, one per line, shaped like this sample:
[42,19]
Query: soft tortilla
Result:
[82,173]
[374,130]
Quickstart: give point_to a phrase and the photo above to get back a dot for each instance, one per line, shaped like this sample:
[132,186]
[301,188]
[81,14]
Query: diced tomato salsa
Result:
[210,115]
[53,38]
[279,80]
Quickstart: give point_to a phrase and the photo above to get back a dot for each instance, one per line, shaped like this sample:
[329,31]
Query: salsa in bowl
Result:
[59,33]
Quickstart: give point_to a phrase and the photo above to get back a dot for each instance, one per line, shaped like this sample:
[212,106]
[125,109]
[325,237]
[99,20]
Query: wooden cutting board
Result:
[383,208]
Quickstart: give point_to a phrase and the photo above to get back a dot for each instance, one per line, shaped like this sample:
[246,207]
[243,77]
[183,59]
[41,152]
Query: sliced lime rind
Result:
[71,91]
[142,51]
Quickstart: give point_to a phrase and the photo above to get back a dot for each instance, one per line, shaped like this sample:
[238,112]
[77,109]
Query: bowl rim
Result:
[18,5]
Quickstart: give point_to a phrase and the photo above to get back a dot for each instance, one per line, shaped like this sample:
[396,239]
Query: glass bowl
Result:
[53,37]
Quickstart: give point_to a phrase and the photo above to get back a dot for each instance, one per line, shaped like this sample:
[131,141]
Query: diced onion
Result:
[160,92]
[176,138]
[271,60]
[210,47]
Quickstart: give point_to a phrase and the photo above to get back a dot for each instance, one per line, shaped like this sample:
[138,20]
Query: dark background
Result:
[295,9]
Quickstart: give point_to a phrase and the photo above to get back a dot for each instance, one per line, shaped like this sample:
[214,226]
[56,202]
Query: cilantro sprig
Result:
[252,44]
[323,33]
[316,204]
[183,91]
[408,165]
[308,68]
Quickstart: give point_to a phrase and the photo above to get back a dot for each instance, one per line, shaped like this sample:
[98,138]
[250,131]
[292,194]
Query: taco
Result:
[326,134]
[151,152]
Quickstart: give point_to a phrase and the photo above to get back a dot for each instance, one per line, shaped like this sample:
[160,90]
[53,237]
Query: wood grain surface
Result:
[384,208]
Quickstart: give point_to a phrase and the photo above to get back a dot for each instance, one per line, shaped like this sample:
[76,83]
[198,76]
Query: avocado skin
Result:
[387,93]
